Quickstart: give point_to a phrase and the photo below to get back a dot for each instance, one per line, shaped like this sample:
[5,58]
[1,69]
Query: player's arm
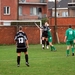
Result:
[74,35]
[27,43]
[65,37]
[38,26]
[41,28]
[15,39]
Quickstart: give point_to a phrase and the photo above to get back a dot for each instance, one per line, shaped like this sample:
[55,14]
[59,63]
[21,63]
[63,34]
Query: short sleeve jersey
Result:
[70,34]
[21,38]
[45,28]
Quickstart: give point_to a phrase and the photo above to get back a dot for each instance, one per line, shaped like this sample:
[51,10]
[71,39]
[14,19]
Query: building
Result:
[65,8]
[32,9]
[65,16]
[71,8]
[8,10]
[22,10]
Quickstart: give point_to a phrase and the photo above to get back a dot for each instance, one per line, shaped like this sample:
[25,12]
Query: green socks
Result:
[72,50]
[53,48]
[67,51]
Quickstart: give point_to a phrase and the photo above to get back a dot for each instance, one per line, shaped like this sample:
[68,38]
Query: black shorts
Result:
[45,34]
[19,50]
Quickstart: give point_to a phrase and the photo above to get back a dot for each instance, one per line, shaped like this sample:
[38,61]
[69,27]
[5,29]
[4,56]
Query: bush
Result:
[44,20]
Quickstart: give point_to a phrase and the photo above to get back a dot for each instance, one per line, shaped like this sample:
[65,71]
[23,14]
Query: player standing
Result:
[69,39]
[22,45]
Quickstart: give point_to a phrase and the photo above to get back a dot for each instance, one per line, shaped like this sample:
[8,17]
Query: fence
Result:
[7,34]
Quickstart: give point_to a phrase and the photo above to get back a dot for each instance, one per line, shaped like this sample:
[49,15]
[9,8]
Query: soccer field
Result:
[42,62]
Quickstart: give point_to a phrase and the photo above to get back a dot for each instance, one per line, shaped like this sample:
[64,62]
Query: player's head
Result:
[69,26]
[46,23]
[20,28]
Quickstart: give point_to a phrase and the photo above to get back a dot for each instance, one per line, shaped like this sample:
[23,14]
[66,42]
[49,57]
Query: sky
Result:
[53,0]
[50,0]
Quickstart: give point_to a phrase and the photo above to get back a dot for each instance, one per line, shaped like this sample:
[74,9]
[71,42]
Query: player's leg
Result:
[47,43]
[51,45]
[72,47]
[26,57]
[68,47]
[72,51]
[67,51]
[18,59]
[43,42]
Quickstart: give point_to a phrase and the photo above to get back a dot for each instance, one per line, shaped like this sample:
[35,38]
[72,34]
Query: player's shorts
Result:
[70,42]
[45,34]
[19,50]
[49,39]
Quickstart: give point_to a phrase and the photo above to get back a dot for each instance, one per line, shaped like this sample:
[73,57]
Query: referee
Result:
[22,45]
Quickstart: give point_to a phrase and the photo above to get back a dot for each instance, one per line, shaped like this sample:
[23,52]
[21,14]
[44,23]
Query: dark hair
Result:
[20,28]
[69,26]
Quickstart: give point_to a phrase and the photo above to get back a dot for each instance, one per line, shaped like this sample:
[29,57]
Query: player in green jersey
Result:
[69,39]
[50,40]
[74,36]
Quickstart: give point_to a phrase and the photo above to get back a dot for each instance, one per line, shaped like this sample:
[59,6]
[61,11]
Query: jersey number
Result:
[20,40]
[70,32]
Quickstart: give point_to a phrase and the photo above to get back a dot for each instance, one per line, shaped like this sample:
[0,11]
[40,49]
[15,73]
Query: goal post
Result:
[8,23]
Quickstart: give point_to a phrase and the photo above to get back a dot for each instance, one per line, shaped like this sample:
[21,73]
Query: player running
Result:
[69,39]
[22,45]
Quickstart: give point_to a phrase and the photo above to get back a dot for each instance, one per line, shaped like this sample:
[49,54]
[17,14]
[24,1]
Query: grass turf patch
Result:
[42,62]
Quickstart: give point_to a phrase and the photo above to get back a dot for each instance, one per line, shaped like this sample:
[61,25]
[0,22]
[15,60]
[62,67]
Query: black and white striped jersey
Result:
[20,39]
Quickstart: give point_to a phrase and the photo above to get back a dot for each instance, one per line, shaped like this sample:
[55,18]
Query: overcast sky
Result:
[50,0]
[53,0]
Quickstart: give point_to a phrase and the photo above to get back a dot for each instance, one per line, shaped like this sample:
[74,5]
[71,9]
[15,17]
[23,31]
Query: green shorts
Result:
[69,42]
[49,39]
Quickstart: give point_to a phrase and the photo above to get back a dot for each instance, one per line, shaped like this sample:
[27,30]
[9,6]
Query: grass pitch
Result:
[42,62]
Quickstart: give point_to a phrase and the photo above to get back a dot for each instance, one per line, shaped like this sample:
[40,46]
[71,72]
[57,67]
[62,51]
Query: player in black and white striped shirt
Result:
[22,45]
[45,29]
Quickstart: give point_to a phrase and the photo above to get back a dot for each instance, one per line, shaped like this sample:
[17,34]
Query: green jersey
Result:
[74,33]
[49,36]
[70,34]
[49,33]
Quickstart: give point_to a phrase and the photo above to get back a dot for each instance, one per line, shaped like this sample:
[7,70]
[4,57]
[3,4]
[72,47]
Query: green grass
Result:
[42,62]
